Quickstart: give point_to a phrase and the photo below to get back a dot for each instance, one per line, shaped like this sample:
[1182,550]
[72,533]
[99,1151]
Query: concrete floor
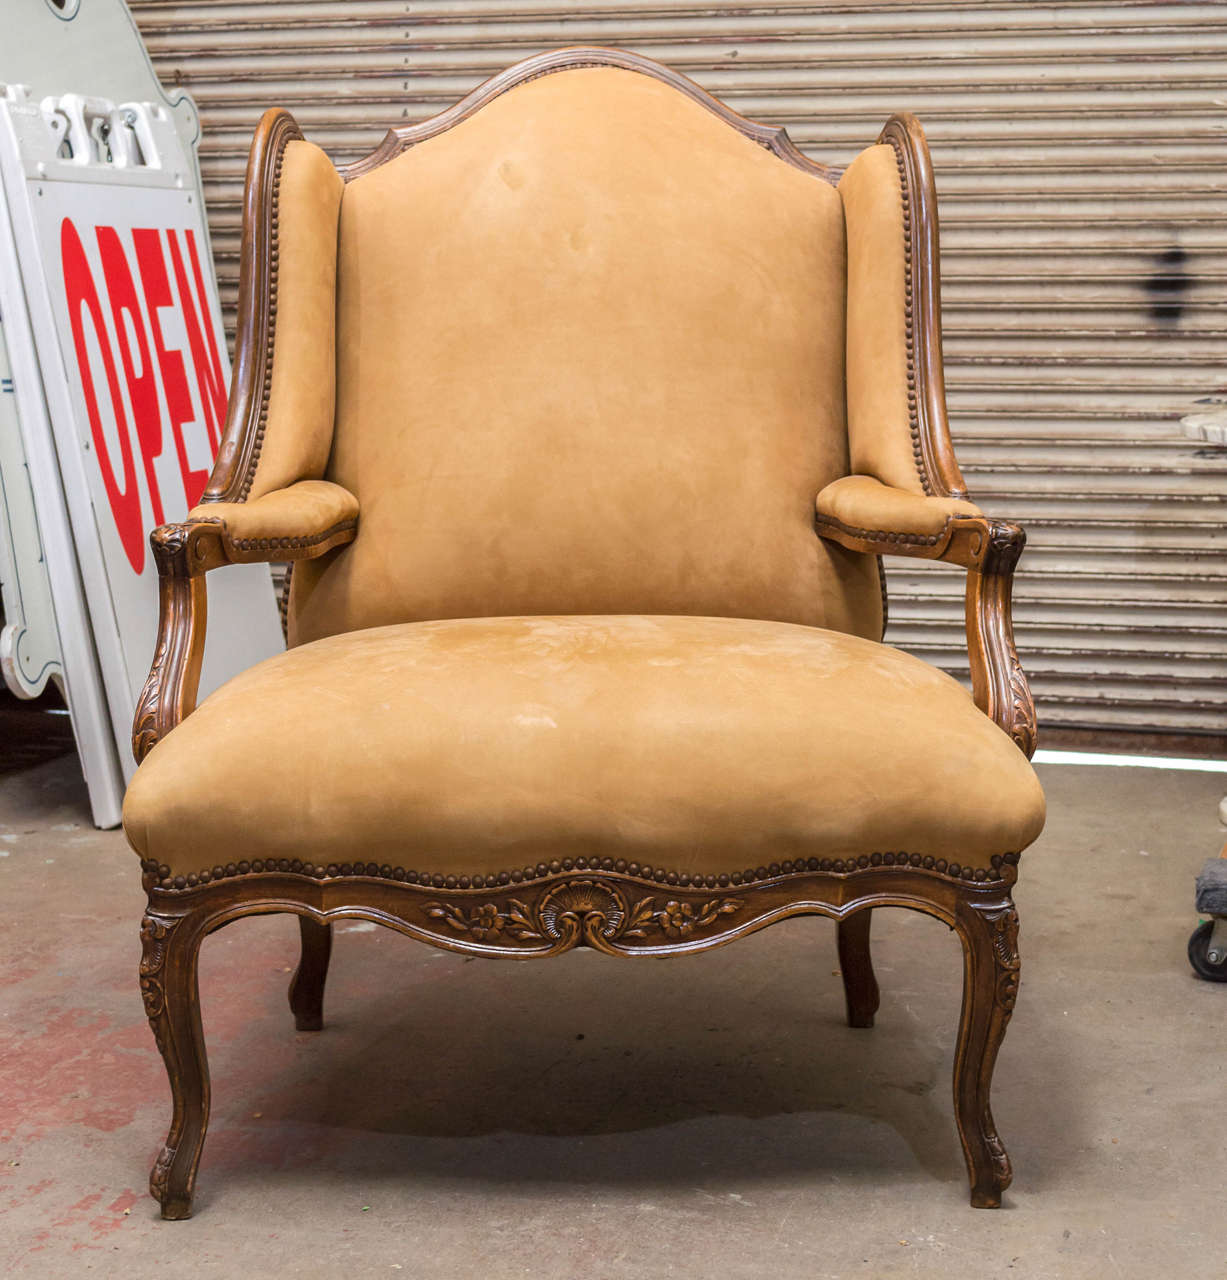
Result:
[705,1117]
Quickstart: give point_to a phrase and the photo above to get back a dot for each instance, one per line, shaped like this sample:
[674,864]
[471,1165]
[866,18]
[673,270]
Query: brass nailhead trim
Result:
[307,540]
[159,876]
[270,339]
[885,535]
[909,322]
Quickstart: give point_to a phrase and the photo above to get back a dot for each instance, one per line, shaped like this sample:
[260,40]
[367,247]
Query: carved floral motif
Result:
[680,919]
[484,923]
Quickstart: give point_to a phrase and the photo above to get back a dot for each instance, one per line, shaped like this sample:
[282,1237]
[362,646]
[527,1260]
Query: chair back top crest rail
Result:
[400,138]
[505,340]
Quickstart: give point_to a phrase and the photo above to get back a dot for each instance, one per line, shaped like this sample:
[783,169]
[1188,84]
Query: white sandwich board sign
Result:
[114,333]
[47,629]
[29,646]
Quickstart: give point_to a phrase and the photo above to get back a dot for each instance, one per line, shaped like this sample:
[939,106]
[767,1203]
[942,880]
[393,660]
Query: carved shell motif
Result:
[582,904]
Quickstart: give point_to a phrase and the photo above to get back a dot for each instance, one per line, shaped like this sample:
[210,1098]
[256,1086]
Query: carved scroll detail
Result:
[159,1175]
[155,934]
[1004,924]
[1003,1171]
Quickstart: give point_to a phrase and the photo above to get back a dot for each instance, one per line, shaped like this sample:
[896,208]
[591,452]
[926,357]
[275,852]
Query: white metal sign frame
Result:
[112,264]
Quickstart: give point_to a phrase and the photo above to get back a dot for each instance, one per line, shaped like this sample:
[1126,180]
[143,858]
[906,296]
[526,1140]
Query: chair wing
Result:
[897,427]
[280,422]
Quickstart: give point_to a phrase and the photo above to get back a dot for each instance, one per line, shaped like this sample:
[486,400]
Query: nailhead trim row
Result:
[276,544]
[266,388]
[909,322]
[161,877]
[885,535]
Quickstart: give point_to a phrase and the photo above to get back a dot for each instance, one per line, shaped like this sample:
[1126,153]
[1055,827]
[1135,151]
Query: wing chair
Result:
[585,412]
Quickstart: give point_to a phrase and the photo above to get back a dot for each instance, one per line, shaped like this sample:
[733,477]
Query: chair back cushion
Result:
[590,359]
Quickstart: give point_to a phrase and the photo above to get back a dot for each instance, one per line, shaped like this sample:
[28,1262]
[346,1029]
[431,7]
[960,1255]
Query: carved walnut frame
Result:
[613,906]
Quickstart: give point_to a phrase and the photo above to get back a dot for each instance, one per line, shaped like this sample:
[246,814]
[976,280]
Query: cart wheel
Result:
[1199,944]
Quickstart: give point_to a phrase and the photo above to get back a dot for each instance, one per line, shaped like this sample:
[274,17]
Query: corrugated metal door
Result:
[1079,159]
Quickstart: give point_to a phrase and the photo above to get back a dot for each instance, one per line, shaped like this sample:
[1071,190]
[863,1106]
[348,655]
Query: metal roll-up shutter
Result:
[1080,167]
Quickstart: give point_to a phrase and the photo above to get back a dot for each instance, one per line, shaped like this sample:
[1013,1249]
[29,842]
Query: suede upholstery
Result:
[303,510]
[879,434]
[592,346]
[482,745]
[590,360]
[298,435]
[861,502]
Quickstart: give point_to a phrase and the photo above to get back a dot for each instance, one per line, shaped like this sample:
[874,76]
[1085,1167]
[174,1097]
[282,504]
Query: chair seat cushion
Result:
[488,745]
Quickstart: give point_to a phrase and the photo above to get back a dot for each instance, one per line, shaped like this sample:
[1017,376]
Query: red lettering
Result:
[142,387]
[156,286]
[83,296]
[200,338]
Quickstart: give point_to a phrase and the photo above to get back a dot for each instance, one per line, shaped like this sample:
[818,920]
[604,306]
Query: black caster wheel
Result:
[1199,944]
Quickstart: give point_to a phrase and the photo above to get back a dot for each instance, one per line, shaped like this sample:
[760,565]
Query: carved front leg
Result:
[990,988]
[169,949]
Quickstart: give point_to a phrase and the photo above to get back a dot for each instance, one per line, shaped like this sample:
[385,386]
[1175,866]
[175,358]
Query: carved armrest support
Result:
[989,550]
[998,681]
[214,535]
[183,553]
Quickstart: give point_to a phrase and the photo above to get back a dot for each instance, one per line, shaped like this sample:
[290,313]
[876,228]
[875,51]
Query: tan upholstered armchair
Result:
[539,398]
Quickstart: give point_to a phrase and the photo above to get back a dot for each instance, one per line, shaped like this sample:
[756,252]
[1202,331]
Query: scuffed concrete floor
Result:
[704,1117]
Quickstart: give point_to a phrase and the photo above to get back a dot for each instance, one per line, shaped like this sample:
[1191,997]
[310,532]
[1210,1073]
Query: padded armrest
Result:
[286,523]
[865,515]
[298,522]
[868,506]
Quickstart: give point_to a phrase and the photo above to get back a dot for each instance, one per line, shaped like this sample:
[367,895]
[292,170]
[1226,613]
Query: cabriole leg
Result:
[860,986]
[990,986]
[307,984]
[170,948]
